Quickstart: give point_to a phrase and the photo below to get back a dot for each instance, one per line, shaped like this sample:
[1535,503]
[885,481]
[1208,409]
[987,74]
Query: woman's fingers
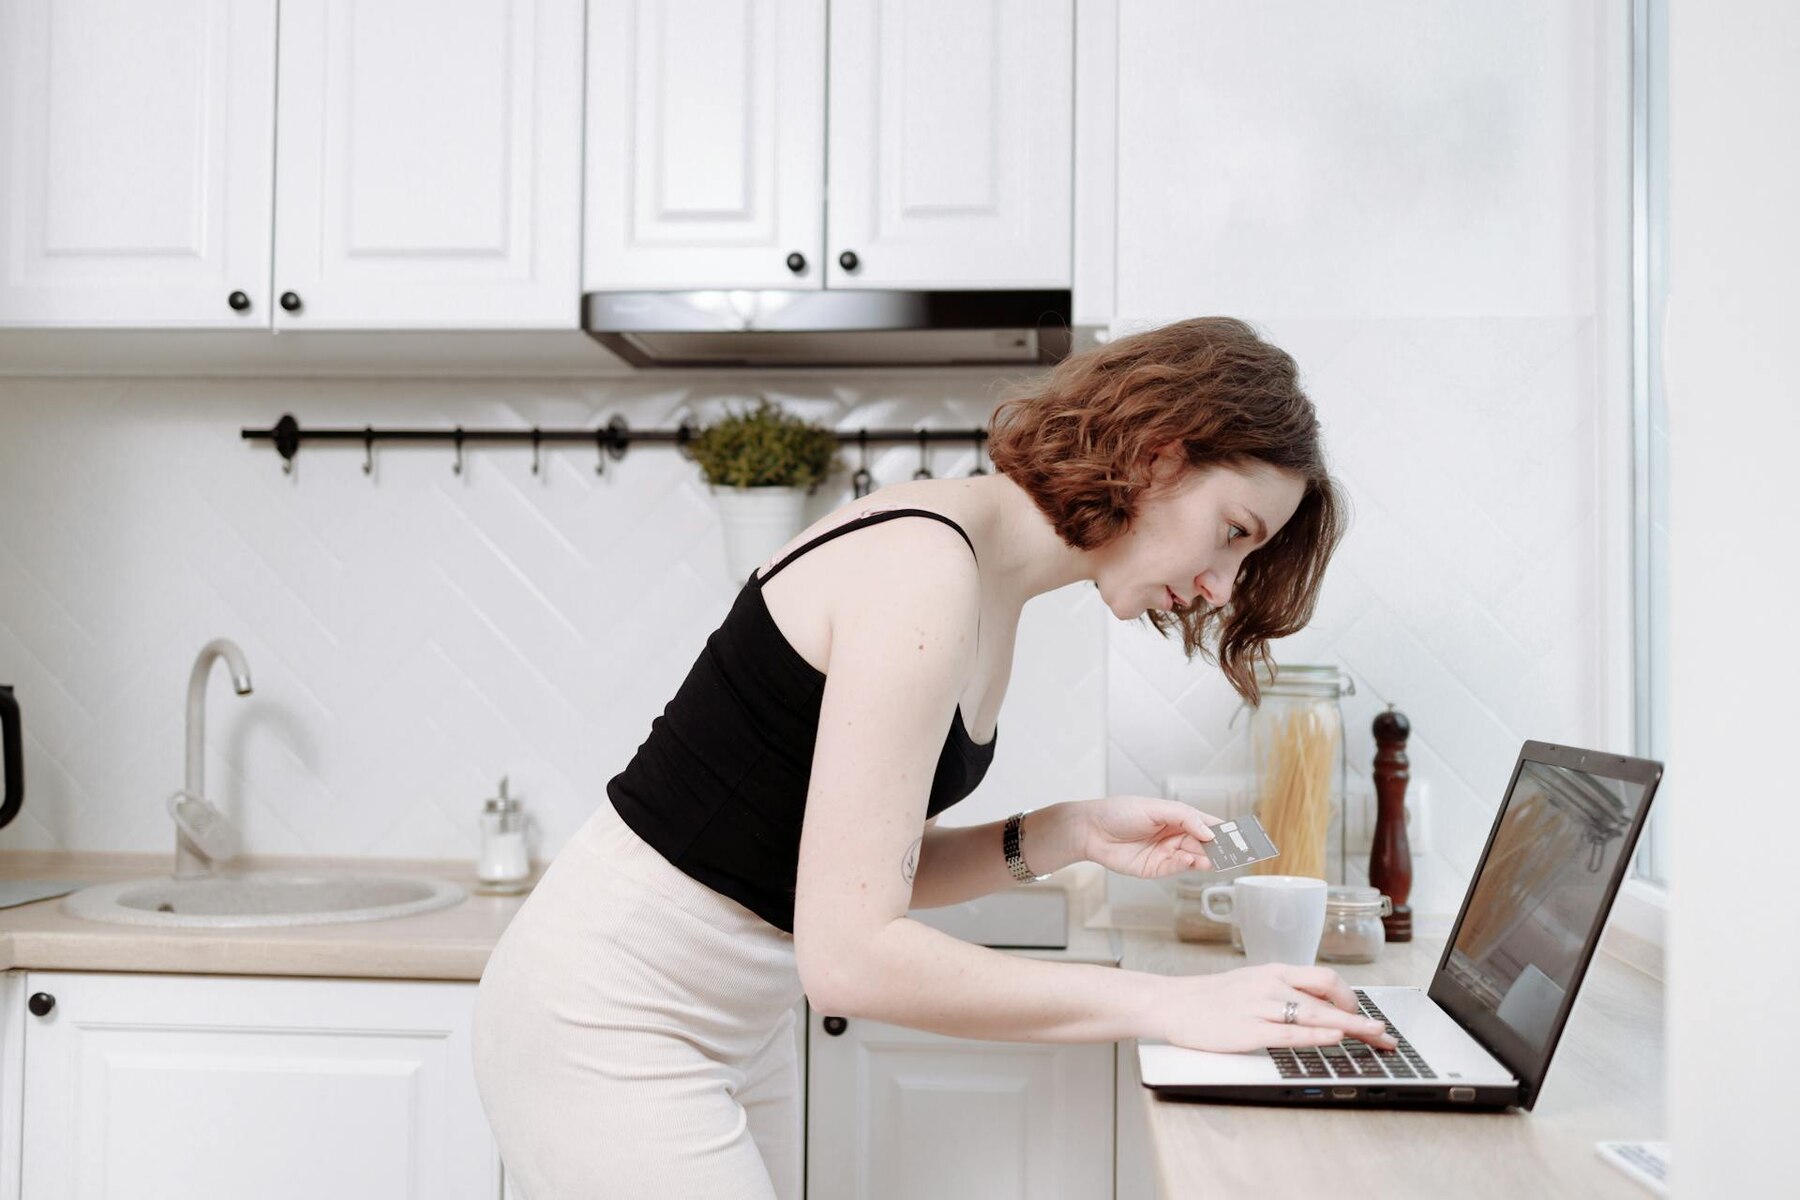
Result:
[1330,1019]
[1324,983]
[1196,823]
[1304,1035]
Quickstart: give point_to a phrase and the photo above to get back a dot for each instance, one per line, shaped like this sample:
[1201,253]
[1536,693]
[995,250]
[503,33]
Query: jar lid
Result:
[1357,901]
[502,803]
[1289,679]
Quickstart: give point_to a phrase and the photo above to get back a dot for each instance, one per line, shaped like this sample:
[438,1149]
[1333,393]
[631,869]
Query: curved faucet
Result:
[190,860]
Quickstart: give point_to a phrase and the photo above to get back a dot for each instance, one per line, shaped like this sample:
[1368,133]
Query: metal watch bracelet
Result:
[1015,859]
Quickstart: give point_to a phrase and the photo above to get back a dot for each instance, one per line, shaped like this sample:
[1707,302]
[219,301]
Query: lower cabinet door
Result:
[202,1087]
[896,1114]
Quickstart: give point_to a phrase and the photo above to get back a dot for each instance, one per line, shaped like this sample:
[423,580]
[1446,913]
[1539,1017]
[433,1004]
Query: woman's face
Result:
[1193,529]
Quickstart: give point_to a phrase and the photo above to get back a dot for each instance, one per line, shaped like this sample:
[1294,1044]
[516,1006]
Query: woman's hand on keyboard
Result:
[1242,1010]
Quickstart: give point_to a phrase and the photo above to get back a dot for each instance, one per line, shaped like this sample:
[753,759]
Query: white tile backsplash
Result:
[412,634]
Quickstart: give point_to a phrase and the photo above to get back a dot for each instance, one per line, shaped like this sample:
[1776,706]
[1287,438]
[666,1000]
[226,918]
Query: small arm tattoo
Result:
[909,866]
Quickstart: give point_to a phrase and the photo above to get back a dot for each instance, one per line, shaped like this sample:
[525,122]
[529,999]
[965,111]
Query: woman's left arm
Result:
[1132,835]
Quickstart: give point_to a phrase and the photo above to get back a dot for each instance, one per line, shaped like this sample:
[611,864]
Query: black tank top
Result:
[719,786]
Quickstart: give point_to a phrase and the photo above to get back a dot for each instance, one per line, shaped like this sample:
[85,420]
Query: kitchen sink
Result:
[263,898]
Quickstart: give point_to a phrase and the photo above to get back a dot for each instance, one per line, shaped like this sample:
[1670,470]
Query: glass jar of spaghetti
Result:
[1297,760]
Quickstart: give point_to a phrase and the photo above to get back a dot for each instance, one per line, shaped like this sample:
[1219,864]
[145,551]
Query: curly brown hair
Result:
[1083,445]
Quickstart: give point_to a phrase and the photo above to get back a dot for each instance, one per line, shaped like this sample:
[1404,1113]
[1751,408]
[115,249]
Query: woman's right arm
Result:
[899,658]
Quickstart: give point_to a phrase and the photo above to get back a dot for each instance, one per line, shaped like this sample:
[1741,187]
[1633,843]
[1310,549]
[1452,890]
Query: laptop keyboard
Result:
[1354,1059]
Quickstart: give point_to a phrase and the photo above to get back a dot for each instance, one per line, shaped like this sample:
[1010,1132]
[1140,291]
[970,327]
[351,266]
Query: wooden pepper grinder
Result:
[1390,856]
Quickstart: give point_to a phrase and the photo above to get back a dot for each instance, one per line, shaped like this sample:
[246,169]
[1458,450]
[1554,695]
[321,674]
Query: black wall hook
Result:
[862,483]
[924,471]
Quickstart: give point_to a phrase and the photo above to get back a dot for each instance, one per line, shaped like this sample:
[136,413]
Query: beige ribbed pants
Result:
[634,1034]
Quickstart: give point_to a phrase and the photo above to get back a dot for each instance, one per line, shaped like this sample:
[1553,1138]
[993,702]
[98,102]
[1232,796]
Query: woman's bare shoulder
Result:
[913,496]
[924,561]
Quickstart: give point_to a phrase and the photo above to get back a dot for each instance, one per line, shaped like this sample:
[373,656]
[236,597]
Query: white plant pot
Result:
[758,521]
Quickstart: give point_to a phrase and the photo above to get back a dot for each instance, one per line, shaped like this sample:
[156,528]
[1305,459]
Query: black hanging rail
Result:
[609,440]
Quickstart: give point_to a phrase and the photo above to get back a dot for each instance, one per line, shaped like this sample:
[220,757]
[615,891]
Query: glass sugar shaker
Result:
[1353,929]
[504,864]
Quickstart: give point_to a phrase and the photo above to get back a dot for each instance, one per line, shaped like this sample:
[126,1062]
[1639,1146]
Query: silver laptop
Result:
[1482,1035]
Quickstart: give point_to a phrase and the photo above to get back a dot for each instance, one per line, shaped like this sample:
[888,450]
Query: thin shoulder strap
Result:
[874,518]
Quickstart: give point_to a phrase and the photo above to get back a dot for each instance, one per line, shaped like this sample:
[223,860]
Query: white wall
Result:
[1734,414]
[413,636]
[1418,202]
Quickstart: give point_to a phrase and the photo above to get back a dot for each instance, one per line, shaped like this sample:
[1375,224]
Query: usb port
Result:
[1312,1093]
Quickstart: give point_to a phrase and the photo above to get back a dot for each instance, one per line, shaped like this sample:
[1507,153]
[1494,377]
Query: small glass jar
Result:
[1353,929]
[1191,922]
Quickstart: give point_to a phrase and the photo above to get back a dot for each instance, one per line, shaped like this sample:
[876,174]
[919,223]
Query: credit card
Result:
[1238,843]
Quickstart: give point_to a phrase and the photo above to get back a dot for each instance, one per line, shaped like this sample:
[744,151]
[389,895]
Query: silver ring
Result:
[1287,1014]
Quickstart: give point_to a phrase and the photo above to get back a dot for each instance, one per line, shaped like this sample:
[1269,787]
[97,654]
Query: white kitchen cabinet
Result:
[136,157]
[204,1087]
[937,155]
[896,1113]
[429,164]
[705,144]
[411,165]
[951,143]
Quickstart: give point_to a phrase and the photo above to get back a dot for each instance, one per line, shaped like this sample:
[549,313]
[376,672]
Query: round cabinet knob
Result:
[796,262]
[41,1003]
[290,301]
[835,1026]
[238,301]
[848,260]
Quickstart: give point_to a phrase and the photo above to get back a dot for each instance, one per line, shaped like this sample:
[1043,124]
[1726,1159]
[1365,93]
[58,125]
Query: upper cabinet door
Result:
[135,162]
[429,164]
[952,131]
[705,144]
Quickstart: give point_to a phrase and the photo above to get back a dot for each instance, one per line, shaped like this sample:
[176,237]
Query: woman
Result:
[634,1027]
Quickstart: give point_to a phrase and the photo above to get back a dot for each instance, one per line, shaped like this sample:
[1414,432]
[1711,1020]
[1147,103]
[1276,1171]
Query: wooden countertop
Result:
[450,944]
[1604,1083]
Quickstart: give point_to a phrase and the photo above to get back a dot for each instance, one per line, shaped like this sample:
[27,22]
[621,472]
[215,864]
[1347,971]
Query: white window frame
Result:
[1642,907]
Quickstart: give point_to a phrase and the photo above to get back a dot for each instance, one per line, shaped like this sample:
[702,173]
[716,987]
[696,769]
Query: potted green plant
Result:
[760,464]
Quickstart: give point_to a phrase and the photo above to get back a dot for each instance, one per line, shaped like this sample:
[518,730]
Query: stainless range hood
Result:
[821,328]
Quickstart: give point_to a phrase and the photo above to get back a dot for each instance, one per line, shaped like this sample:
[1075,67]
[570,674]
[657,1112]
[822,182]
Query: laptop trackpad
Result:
[1440,1041]
[1161,1065]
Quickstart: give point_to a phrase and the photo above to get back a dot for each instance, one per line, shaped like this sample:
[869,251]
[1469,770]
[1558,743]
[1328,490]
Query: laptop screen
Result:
[1560,845]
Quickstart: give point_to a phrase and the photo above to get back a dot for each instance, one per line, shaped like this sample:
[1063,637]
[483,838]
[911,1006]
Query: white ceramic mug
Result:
[1281,917]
